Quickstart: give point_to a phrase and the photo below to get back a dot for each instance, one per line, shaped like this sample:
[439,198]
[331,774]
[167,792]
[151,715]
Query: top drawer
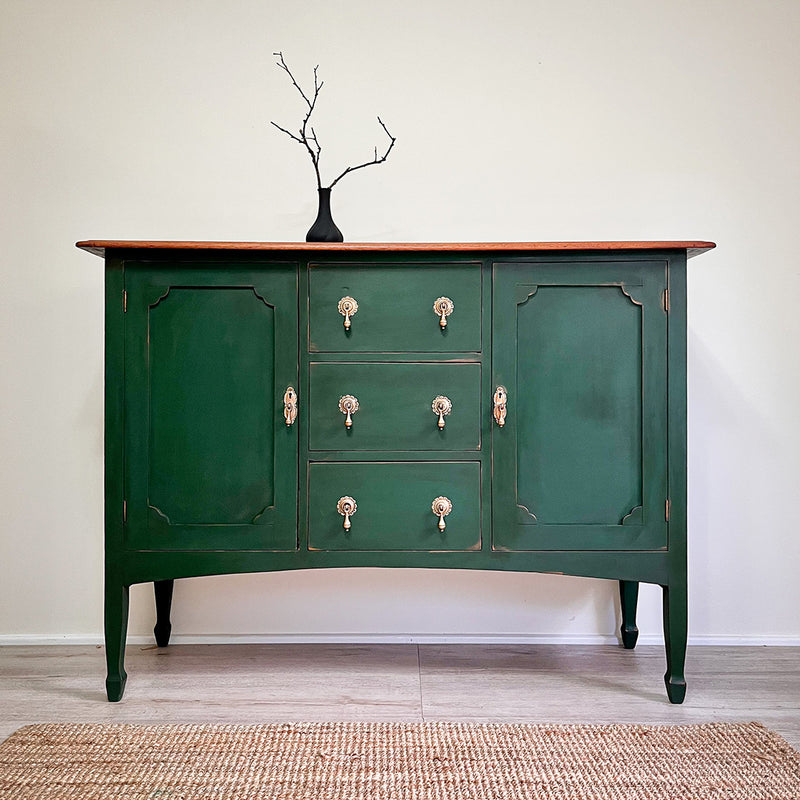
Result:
[395,308]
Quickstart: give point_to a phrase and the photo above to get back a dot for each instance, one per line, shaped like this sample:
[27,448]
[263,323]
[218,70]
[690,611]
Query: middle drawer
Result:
[394,405]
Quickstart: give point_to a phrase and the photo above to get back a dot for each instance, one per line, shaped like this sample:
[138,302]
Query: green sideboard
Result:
[517,407]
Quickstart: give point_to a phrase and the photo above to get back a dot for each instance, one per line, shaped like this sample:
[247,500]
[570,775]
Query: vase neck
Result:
[324,197]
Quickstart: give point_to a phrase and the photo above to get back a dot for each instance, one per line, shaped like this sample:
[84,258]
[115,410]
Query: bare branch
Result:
[314,139]
[304,139]
[288,133]
[282,65]
[375,160]
[307,136]
[317,86]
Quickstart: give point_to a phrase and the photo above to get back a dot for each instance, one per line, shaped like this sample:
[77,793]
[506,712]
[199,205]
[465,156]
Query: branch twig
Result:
[375,160]
[303,138]
[310,141]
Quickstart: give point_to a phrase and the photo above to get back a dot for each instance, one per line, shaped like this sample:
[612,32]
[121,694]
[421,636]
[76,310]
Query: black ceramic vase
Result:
[324,228]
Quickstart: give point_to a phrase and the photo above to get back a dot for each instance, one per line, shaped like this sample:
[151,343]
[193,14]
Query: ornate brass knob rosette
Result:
[348,405]
[443,307]
[347,307]
[346,507]
[441,506]
[290,405]
[442,406]
[499,405]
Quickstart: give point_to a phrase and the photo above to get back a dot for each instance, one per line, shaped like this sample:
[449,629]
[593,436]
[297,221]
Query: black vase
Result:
[324,228]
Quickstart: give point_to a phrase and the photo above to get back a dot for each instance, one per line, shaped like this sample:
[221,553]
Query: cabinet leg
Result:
[116,629]
[629,596]
[163,628]
[675,624]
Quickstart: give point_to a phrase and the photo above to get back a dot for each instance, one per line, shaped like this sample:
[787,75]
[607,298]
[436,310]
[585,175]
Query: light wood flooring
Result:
[403,682]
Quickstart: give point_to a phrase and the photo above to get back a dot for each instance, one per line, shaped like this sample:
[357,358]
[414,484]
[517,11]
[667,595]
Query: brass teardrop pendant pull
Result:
[442,406]
[443,306]
[348,405]
[346,507]
[347,307]
[441,506]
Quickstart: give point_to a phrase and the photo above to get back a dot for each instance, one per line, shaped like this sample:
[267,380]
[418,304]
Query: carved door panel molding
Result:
[209,460]
[581,461]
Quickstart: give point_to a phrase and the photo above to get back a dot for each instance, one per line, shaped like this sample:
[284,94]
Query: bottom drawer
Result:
[393,505]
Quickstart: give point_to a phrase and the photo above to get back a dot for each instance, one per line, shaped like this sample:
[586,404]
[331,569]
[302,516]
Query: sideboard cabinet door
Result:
[210,463]
[581,460]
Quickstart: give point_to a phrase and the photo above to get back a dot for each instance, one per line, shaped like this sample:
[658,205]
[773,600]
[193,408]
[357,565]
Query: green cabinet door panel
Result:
[581,462]
[209,460]
[395,308]
[395,406]
[393,502]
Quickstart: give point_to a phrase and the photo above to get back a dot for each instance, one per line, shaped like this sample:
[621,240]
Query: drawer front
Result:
[395,406]
[395,308]
[393,506]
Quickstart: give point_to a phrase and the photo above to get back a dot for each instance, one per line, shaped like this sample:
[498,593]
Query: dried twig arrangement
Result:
[307,136]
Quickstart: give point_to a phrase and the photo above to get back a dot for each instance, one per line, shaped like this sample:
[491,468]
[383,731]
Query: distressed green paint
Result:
[195,374]
[211,370]
[395,308]
[211,464]
[581,349]
[628,599]
[394,506]
[151,565]
[395,406]
[578,401]
[674,587]
[117,567]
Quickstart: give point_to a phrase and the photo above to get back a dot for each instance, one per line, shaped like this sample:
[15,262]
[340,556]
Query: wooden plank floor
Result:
[405,682]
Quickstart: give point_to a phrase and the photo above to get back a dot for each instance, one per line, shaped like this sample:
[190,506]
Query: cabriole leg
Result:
[116,629]
[629,596]
[675,622]
[163,628]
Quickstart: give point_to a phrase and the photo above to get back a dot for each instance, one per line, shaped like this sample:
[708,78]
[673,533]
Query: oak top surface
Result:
[99,246]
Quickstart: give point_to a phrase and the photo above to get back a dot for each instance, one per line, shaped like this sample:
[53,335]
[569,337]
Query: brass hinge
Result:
[667,506]
[124,301]
[666,300]
[124,511]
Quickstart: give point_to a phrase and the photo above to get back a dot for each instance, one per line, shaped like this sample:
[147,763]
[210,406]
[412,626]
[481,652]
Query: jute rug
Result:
[378,761]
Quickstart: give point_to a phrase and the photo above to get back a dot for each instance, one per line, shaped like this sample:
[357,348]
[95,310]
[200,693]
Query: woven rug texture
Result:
[398,761]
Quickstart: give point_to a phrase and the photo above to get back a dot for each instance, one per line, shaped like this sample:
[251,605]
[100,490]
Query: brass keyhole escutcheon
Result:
[500,405]
[346,507]
[441,506]
[290,405]
[443,306]
[442,406]
[347,307]
[348,405]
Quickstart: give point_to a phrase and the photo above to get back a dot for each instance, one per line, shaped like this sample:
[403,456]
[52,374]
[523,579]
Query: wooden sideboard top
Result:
[98,247]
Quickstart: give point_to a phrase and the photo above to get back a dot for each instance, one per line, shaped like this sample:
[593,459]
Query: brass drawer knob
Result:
[499,405]
[346,507]
[441,506]
[442,406]
[443,306]
[347,307]
[348,405]
[290,405]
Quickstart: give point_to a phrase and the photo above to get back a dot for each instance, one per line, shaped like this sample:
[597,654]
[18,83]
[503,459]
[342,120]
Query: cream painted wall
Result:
[515,120]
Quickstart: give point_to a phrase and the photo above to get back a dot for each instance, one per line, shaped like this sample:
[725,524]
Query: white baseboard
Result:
[721,640]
